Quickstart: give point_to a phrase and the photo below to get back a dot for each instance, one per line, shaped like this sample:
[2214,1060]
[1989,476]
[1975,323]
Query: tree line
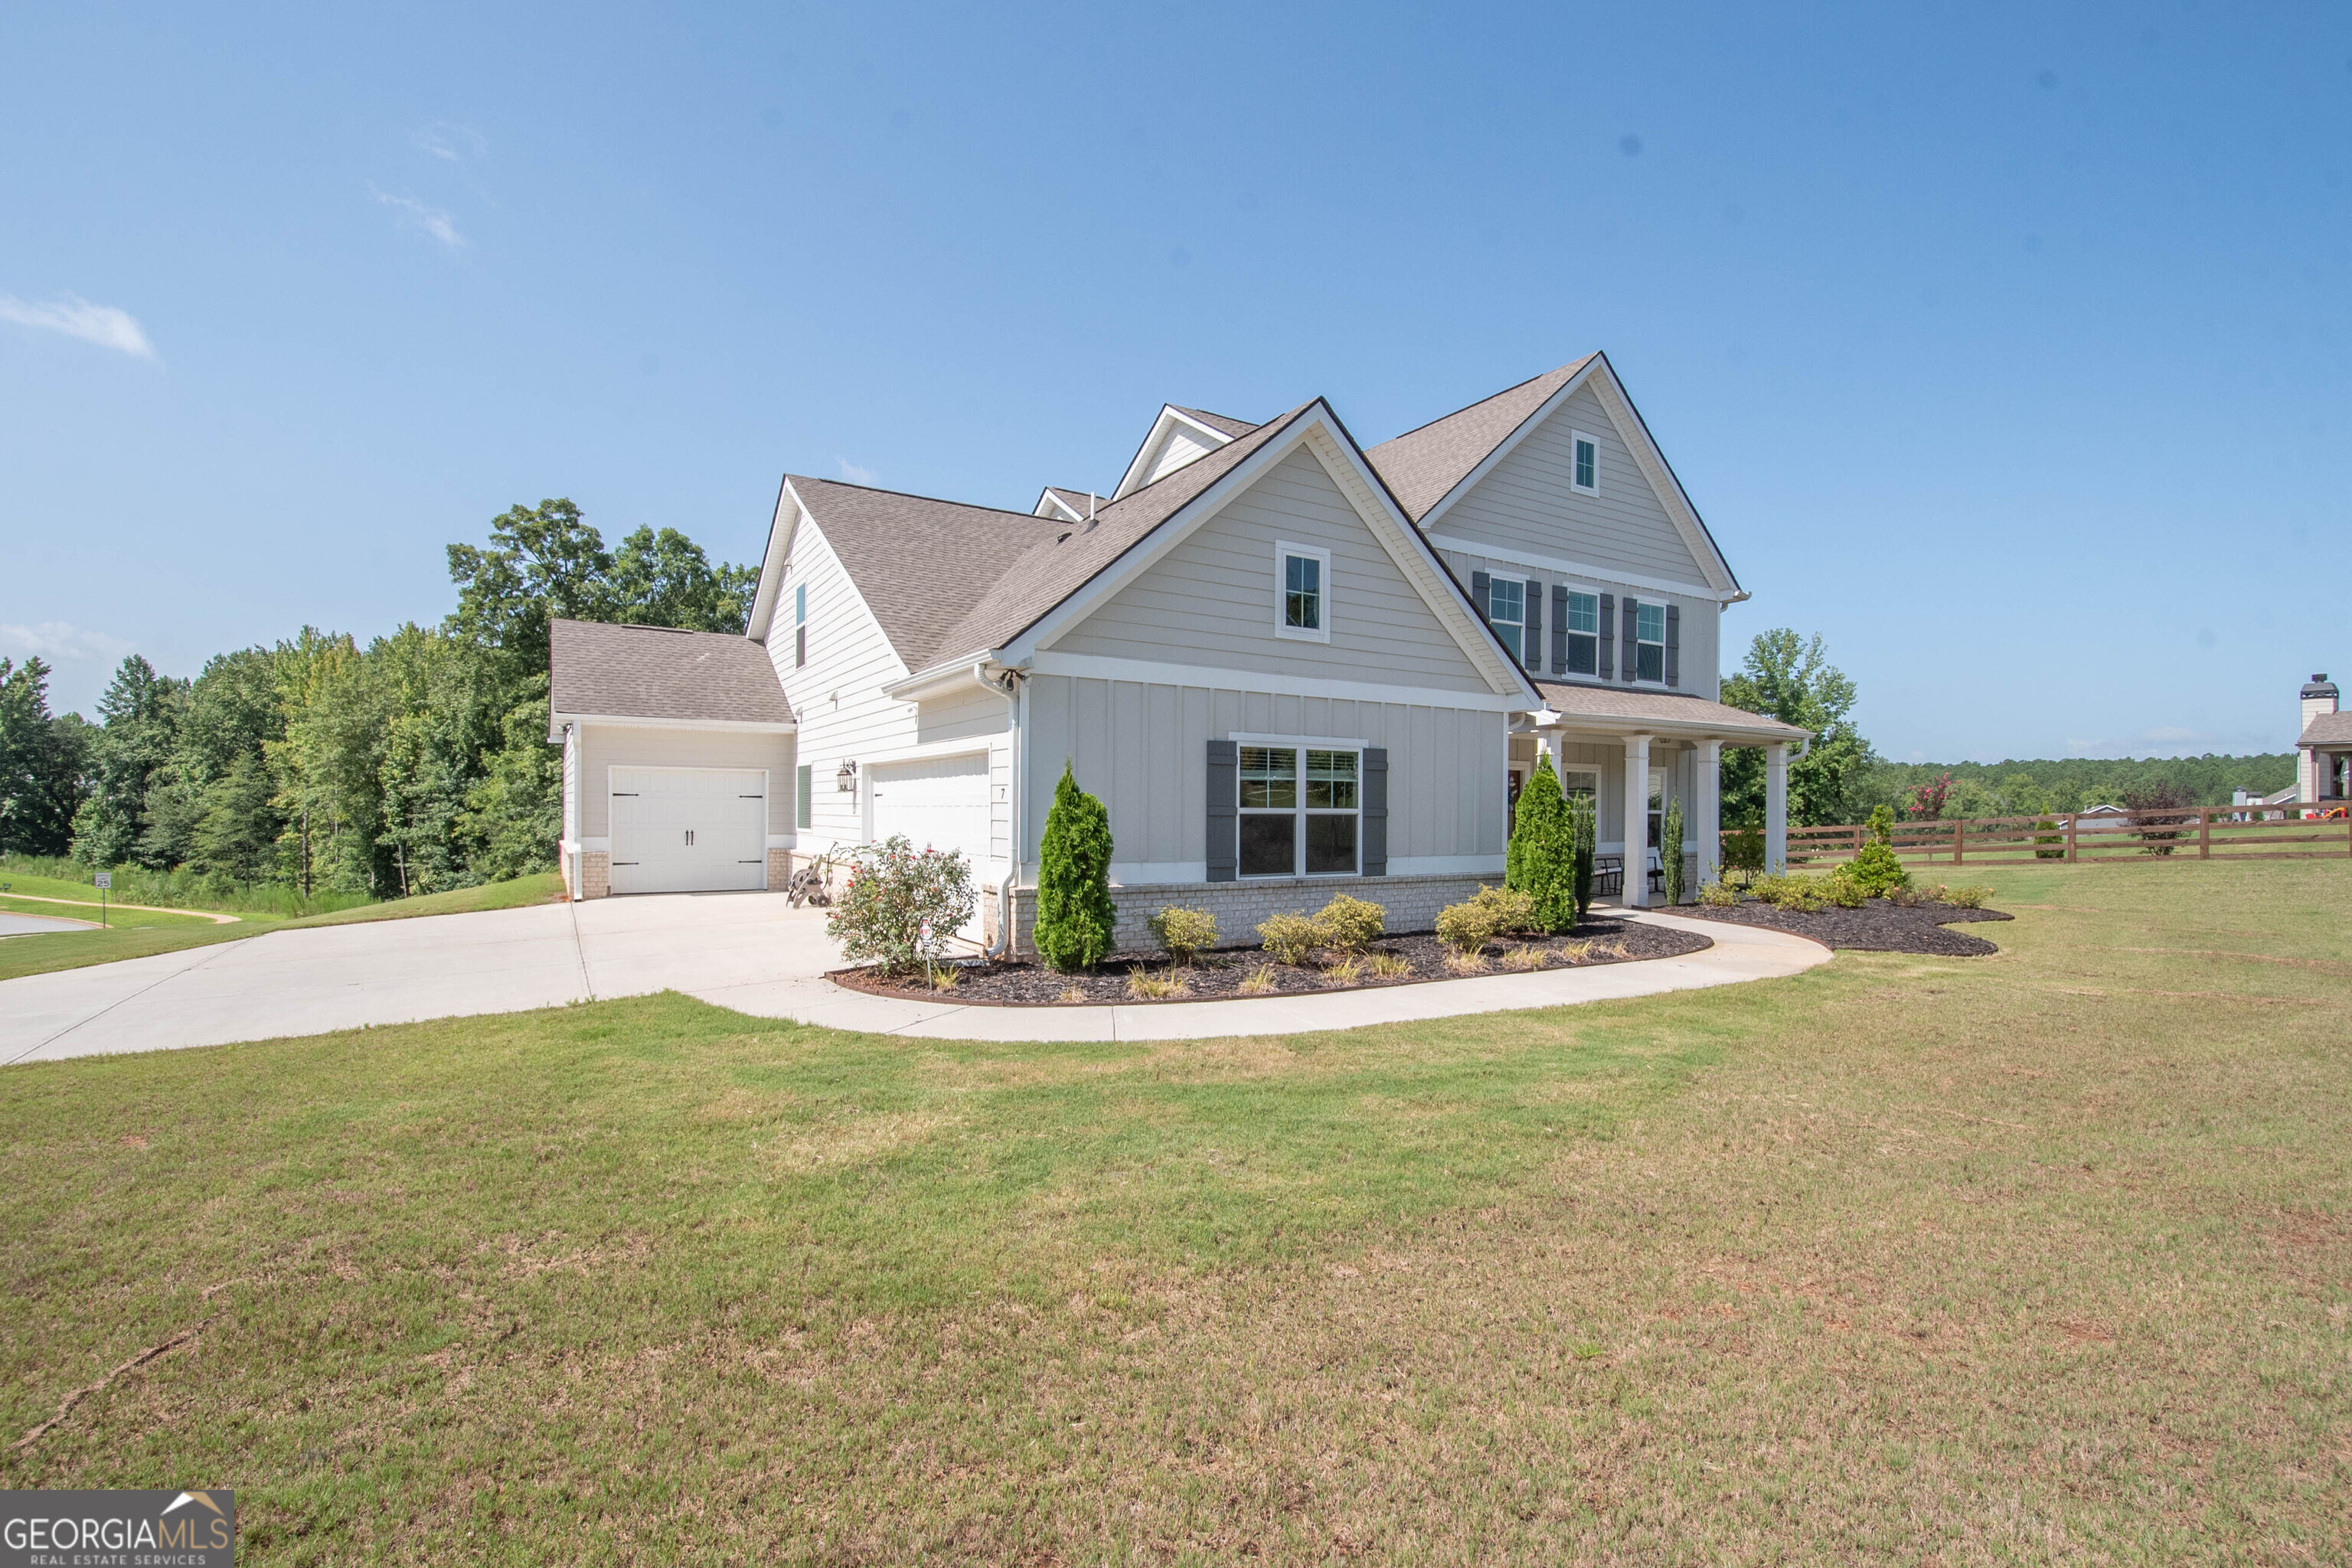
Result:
[417,762]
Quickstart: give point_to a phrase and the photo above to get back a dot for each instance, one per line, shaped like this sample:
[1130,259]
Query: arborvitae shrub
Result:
[1076,921]
[1541,860]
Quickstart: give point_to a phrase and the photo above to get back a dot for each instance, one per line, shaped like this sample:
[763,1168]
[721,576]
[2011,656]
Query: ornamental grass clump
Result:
[1258,982]
[1184,932]
[1292,938]
[1076,919]
[901,904]
[1540,861]
[1351,925]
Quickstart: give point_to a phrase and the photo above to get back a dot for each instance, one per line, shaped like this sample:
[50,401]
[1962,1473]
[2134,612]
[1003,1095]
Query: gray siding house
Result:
[1288,666]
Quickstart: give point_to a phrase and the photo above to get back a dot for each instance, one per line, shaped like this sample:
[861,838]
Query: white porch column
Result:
[1706,815]
[1637,821]
[1776,808]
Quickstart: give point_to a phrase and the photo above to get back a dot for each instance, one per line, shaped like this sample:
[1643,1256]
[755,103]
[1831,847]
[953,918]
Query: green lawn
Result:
[2040,1257]
[134,936]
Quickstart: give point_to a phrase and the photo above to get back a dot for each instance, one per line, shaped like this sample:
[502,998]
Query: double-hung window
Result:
[1507,611]
[1300,811]
[1583,627]
[1587,460]
[800,624]
[1650,642]
[1302,592]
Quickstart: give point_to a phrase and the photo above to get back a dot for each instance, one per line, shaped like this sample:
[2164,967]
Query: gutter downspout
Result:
[1010,688]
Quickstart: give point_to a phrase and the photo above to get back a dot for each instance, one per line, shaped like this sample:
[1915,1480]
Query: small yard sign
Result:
[105,879]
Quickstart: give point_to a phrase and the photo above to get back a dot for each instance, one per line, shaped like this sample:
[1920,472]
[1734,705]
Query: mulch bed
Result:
[1878,926]
[1215,975]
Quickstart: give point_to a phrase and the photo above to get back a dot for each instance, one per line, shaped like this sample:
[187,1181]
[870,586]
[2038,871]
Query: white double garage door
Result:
[690,830]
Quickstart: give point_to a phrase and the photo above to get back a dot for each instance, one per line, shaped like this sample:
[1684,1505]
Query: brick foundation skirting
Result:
[594,869]
[1411,903]
[780,870]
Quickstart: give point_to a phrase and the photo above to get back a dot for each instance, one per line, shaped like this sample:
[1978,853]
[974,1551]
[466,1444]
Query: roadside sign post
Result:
[105,880]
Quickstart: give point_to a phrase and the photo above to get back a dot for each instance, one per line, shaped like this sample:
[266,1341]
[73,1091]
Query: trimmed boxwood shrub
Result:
[1076,921]
[1351,925]
[1184,932]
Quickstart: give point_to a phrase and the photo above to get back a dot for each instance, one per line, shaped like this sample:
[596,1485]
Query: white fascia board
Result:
[1170,417]
[1655,470]
[781,528]
[1697,730]
[1046,498]
[1561,566]
[634,721]
[952,674]
[1151,672]
[1339,456]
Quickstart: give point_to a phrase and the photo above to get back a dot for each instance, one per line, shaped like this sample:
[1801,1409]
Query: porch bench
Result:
[1609,877]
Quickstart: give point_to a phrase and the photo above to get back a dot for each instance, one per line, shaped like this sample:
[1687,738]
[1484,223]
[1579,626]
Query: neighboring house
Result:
[1288,666]
[2323,773]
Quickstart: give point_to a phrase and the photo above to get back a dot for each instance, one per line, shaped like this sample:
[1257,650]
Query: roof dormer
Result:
[1179,435]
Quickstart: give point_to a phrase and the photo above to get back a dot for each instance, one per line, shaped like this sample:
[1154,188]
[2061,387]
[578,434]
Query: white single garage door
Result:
[690,830]
[938,804]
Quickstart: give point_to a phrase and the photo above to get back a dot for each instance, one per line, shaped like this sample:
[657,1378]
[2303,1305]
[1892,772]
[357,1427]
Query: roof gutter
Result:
[954,675]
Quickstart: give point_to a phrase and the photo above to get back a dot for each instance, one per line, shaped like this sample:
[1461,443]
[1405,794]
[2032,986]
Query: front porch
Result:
[1635,752]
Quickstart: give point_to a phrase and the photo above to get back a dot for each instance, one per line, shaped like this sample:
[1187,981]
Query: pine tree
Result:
[1076,919]
[1541,860]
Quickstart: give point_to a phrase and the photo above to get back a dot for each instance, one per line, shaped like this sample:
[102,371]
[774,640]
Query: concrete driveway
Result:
[399,970]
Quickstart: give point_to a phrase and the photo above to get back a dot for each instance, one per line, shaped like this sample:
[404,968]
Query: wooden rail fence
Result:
[2195,833]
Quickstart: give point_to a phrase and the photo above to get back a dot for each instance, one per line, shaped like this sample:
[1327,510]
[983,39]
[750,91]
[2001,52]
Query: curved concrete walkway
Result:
[1740,952]
[749,952]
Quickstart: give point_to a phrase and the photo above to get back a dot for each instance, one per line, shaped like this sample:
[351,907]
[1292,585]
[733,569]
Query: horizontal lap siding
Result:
[1702,619]
[1142,747]
[604,747]
[1211,600]
[1529,500]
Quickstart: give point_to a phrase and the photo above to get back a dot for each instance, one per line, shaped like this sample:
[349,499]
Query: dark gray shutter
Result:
[1478,582]
[1560,628]
[1533,648]
[1674,645]
[1608,637]
[1224,818]
[1375,847]
[1631,636]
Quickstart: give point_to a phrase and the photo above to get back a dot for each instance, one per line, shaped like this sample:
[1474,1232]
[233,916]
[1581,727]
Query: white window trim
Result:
[1574,437]
[1282,552]
[1518,641]
[1566,631]
[1299,746]
[1586,770]
[1639,643]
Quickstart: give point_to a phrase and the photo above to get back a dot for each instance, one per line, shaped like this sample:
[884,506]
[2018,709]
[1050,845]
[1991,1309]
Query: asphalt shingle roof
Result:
[1421,466]
[1634,707]
[2328,729]
[921,563]
[658,672]
[1224,423]
[1054,570]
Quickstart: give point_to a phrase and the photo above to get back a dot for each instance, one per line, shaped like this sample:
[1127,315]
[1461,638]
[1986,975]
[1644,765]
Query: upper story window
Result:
[1650,642]
[1582,625]
[1302,592]
[1587,476]
[1506,610]
[800,624]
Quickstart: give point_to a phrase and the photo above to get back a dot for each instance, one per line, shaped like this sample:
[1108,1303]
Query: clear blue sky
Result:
[2006,346]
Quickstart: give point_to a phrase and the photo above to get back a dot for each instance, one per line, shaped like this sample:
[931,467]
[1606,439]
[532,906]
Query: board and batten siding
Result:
[843,713]
[1701,621]
[1142,748]
[604,747]
[1212,599]
[1529,502]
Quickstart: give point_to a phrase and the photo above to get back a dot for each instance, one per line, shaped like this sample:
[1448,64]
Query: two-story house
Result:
[1288,666]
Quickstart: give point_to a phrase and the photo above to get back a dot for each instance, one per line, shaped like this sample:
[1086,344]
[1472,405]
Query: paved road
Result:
[394,972]
[749,952]
[29,925]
